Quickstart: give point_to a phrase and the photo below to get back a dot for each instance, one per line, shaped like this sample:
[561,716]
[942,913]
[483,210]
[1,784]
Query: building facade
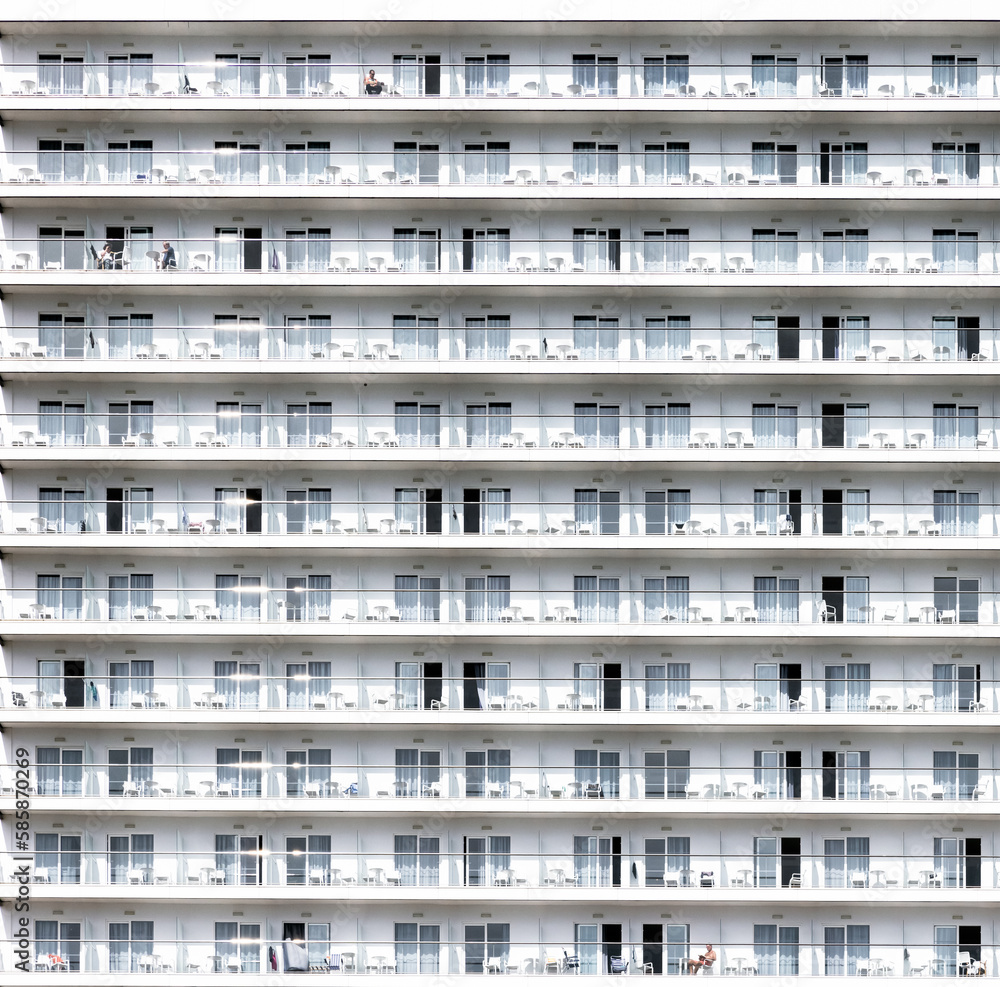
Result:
[498,495]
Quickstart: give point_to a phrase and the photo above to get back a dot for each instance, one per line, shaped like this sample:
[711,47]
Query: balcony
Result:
[383,701]
[511,349]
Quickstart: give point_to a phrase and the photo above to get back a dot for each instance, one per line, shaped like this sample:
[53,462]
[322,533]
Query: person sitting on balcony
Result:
[372,86]
[168,259]
[106,258]
[704,961]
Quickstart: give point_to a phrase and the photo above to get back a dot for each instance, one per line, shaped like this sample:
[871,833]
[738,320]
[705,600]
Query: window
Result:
[419,684]
[665,251]
[777,774]
[595,598]
[238,424]
[419,509]
[597,75]
[775,426]
[307,511]
[955,339]
[844,425]
[667,164]
[237,337]
[128,74]
[773,75]
[62,161]
[59,939]
[416,859]
[957,774]
[485,858]
[64,337]
[307,772]
[414,161]
[955,426]
[487,338]
[486,597]
[307,336]
[775,251]
[60,771]
[240,509]
[415,338]
[130,597]
[305,74]
[418,597]
[487,774]
[845,251]
[956,251]
[773,163]
[777,686]
[846,338]
[486,425]
[128,944]
[238,683]
[845,862]
[848,687]
[666,511]
[417,75]
[597,861]
[956,687]
[485,511]
[418,772]
[130,859]
[776,950]
[776,599]
[667,774]
[418,947]
[61,249]
[595,163]
[597,249]
[775,509]
[128,336]
[845,75]
[60,596]
[487,75]
[307,683]
[238,597]
[486,250]
[417,250]
[843,947]
[305,250]
[668,426]
[238,947]
[668,862]
[486,942]
[595,338]
[957,76]
[239,74]
[130,770]
[597,771]
[60,75]
[666,598]
[597,511]
[307,858]
[63,424]
[487,163]
[128,682]
[958,861]
[846,775]
[954,595]
[955,163]
[667,684]
[62,510]
[668,339]
[308,597]
[130,245]
[597,425]
[845,599]
[64,678]
[663,75]
[305,423]
[238,772]
[129,161]
[417,424]
[57,858]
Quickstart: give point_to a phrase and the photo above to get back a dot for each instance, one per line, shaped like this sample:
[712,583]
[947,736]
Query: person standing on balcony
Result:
[168,259]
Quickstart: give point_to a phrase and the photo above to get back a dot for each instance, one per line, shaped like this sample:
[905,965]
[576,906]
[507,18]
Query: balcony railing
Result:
[658,165]
[584,871]
[234,513]
[489,252]
[430,76]
[249,342]
[498,606]
[424,697]
[490,949]
[664,782]
[425,429]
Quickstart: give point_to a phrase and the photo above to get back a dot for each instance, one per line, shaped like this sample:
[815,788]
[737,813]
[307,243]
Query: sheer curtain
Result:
[595,338]
[487,338]
[416,338]
[668,339]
